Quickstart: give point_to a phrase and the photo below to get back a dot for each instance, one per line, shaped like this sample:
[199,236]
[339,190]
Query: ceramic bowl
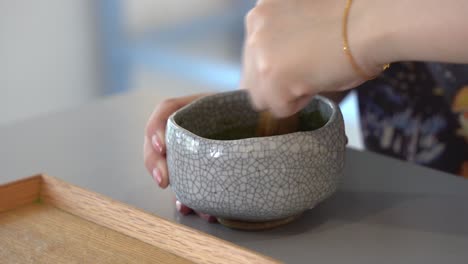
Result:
[256,179]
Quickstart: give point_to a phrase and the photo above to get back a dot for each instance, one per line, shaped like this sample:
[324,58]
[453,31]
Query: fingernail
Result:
[157,176]
[157,143]
[183,209]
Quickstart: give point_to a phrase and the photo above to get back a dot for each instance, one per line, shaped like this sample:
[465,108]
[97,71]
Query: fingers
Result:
[154,147]
[282,101]
[279,98]
[185,210]
[272,84]
[156,126]
[302,102]
[271,89]
[155,163]
[208,218]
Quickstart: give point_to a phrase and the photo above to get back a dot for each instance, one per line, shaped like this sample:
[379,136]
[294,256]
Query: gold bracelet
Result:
[346,49]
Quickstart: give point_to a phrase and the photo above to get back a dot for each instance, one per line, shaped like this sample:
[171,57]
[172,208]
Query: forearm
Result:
[418,30]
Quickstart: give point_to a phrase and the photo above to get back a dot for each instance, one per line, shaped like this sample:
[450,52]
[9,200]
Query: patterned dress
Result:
[418,112]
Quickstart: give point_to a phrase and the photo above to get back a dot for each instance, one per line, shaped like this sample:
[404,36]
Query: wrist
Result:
[371,35]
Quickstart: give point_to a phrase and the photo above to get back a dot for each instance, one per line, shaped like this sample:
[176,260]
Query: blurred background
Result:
[58,54]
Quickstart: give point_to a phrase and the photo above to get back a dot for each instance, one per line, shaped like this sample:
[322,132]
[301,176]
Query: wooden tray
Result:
[45,220]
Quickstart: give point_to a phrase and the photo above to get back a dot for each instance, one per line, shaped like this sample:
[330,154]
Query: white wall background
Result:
[141,14]
[49,53]
[48,56]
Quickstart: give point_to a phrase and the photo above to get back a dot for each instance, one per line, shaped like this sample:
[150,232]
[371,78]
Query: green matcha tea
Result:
[307,122]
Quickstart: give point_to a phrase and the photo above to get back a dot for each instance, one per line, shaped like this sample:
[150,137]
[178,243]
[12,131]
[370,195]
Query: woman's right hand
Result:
[154,149]
[294,50]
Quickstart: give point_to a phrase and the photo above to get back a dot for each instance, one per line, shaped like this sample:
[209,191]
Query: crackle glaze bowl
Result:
[255,179]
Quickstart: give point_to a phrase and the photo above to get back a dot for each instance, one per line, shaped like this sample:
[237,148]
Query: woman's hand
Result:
[294,50]
[155,148]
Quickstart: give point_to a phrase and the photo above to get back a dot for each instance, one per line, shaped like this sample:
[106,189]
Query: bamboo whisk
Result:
[269,125]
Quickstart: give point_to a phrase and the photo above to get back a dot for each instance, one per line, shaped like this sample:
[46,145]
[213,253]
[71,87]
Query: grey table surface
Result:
[386,211]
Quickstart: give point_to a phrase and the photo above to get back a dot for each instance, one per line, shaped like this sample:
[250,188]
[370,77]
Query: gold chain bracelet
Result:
[346,49]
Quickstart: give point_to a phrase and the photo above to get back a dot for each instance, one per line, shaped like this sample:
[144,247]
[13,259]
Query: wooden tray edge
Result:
[172,237]
[20,192]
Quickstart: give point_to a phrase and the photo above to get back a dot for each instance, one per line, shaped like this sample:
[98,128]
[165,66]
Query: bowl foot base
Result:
[256,226]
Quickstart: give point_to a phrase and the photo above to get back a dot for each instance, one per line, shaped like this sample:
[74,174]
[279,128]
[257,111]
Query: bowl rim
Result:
[330,103]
